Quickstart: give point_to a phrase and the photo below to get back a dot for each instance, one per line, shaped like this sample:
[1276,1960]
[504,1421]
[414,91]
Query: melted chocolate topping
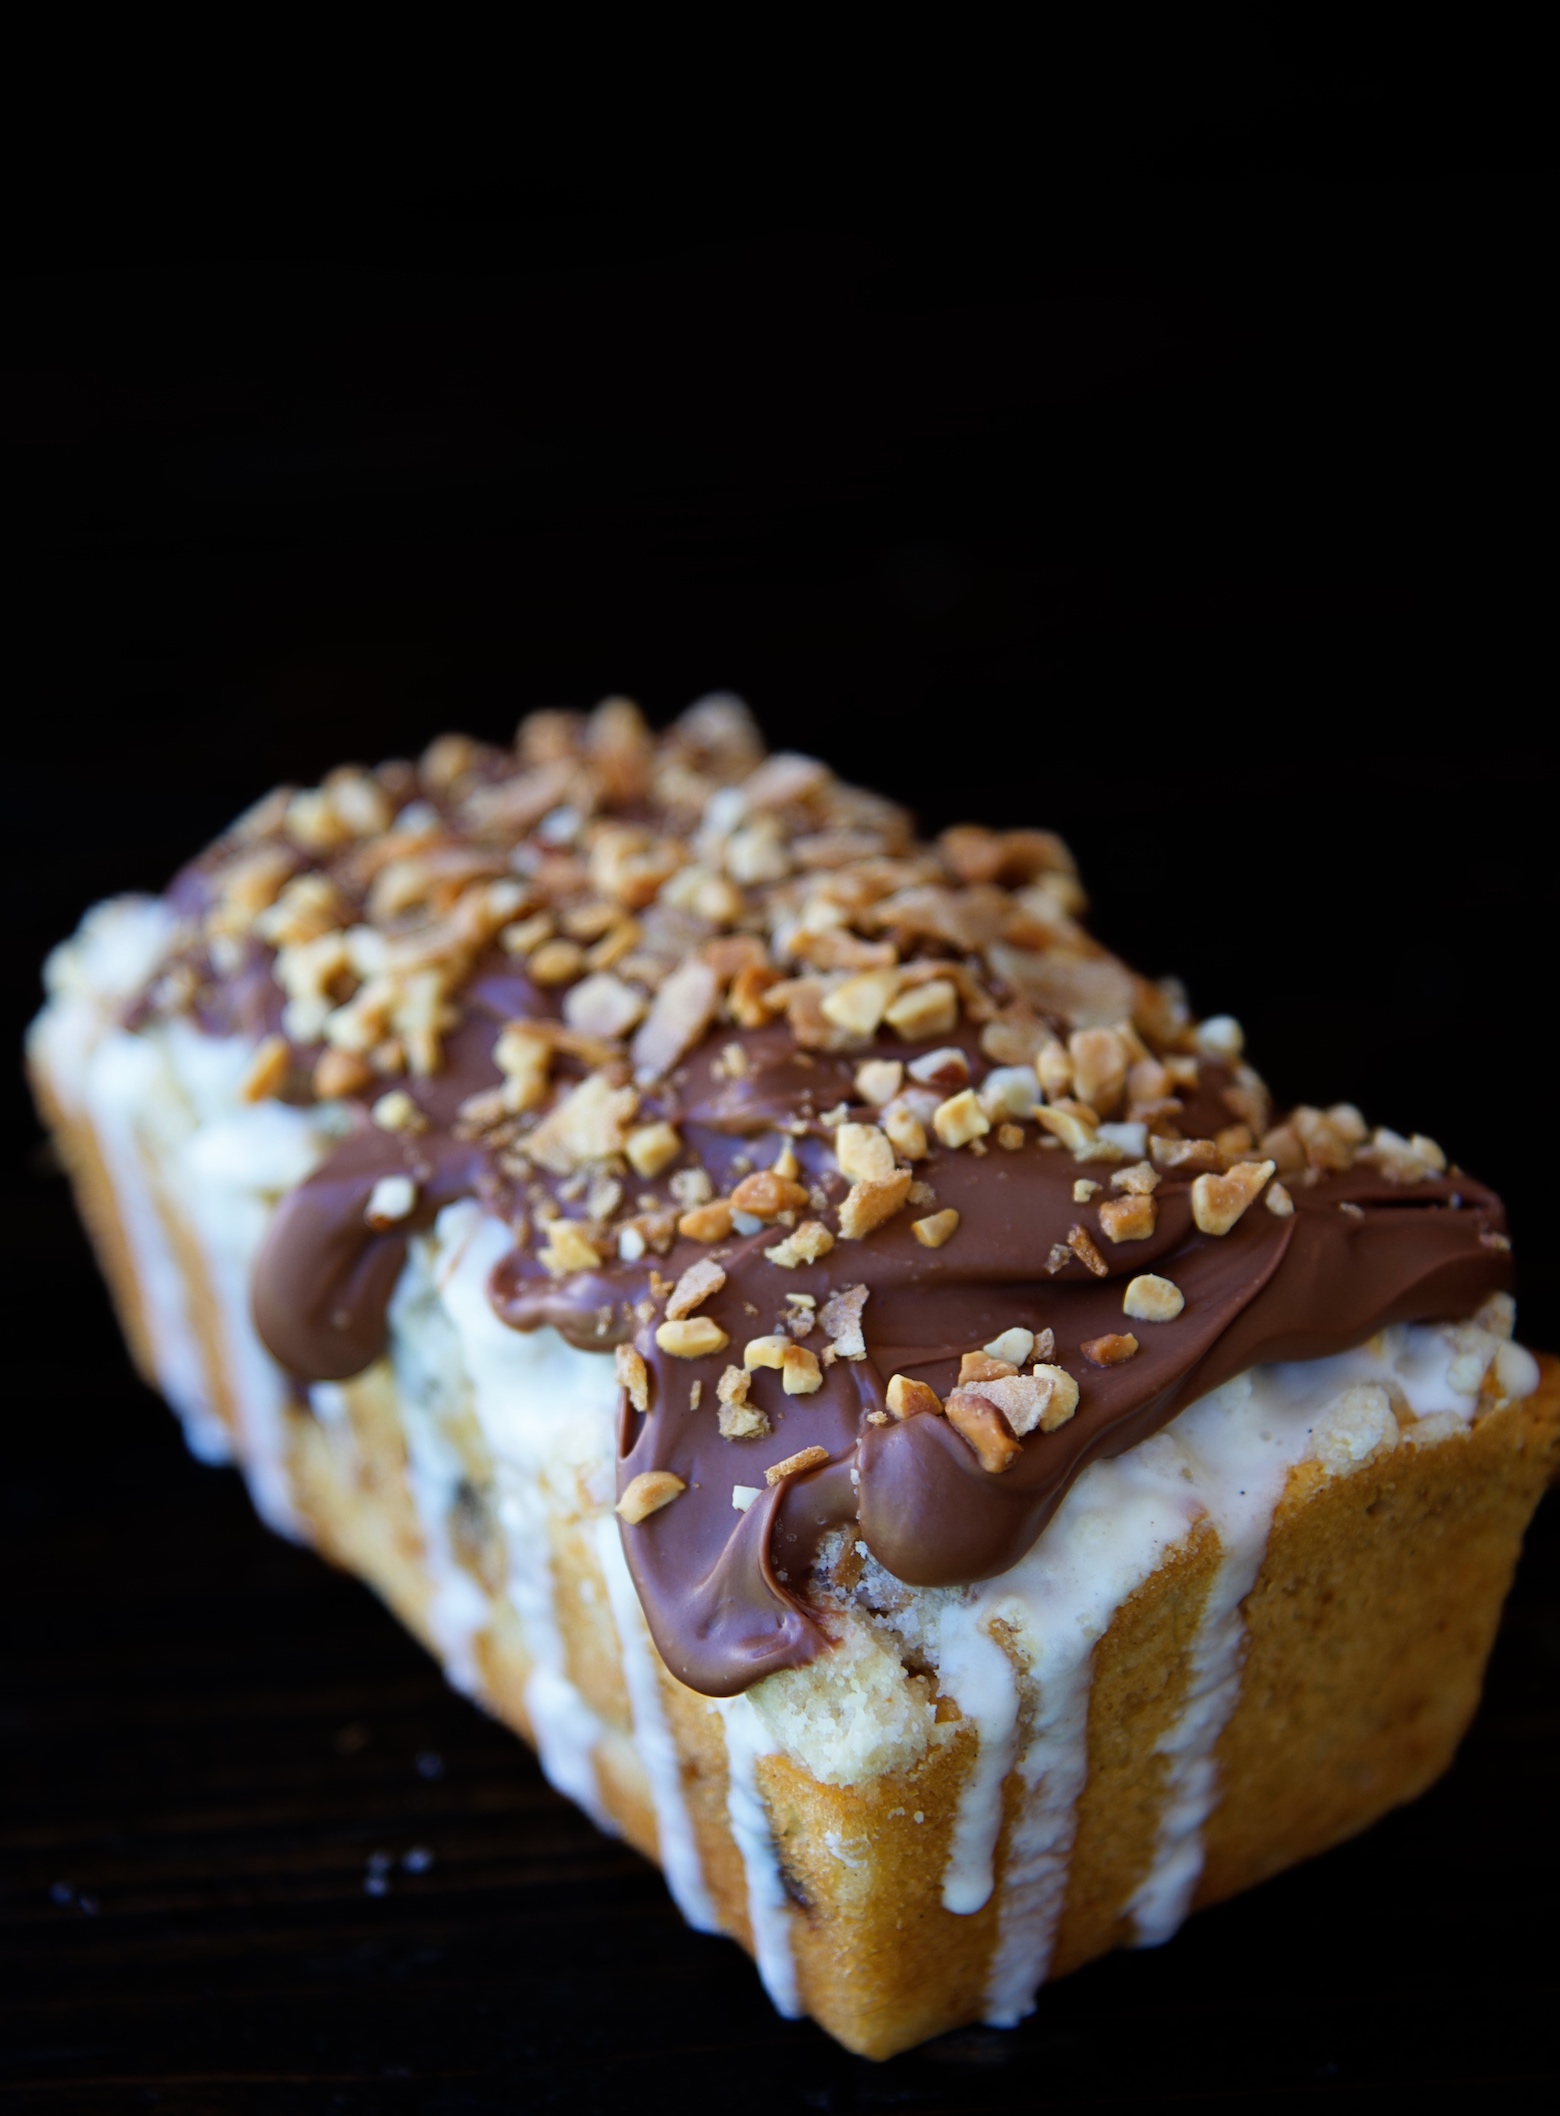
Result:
[724,1591]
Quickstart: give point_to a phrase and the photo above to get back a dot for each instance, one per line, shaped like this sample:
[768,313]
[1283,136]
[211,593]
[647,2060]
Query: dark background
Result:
[1194,498]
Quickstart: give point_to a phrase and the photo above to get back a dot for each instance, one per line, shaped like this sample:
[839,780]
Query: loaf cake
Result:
[865,1383]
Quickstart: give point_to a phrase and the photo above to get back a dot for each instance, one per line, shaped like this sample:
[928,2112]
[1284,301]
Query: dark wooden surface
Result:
[1191,493]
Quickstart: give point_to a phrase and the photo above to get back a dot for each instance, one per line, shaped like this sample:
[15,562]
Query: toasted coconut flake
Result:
[682,1010]
[840,1320]
[701,1279]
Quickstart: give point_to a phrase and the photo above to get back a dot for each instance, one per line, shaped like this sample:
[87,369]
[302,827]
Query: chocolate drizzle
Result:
[725,1591]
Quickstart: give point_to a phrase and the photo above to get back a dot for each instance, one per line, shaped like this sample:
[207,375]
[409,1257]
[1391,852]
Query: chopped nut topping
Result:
[695,1338]
[878,1080]
[697,1284]
[569,1249]
[936,1228]
[1278,1201]
[841,1321]
[267,1073]
[587,1126]
[648,1493]
[1083,1190]
[904,1128]
[1178,1155]
[1010,1137]
[960,1119]
[390,1201]
[982,1425]
[338,1073]
[925,1010]
[911,1399]
[1153,1299]
[706,1223]
[1044,1399]
[1219,1201]
[651,1148]
[805,1458]
[556,962]
[398,1112]
[800,1373]
[1014,1345]
[764,1351]
[946,1070]
[680,1013]
[742,1421]
[1112,1350]
[1128,1219]
[743,1495]
[765,1195]
[633,1375]
[984,1366]
[810,1241]
[867,1204]
[864,1153]
[1140,1180]
[1082,1245]
[1100,1058]
[857,1005]
[602,1005]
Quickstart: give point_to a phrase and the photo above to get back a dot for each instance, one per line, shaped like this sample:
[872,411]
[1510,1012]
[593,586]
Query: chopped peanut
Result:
[868,1204]
[864,1153]
[800,1373]
[1278,1201]
[878,1080]
[936,1228]
[706,1223]
[857,1005]
[810,1241]
[1219,1201]
[1128,1219]
[925,1010]
[648,1493]
[1140,1180]
[696,1338]
[765,1352]
[633,1375]
[1111,1350]
[805,1458]
[982,1425]
[1015,1345]
[911,1399]
[339,1073]
[984,1366]
[569,1249]
[1082,1245]
[960,1119]
[651,1148]
[1149,1298]
[906,1131]
[766,1195]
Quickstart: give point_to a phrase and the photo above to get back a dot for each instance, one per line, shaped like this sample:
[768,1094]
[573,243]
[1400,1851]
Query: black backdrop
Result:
[1199,507]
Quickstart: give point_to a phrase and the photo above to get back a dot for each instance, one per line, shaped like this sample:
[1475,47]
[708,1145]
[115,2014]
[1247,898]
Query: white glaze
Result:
[769,1911]
[678,1846]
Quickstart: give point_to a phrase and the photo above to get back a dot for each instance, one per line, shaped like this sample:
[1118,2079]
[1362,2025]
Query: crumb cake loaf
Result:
[866,1384]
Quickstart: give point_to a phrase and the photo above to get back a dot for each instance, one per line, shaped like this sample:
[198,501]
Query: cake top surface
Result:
[895,1197]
